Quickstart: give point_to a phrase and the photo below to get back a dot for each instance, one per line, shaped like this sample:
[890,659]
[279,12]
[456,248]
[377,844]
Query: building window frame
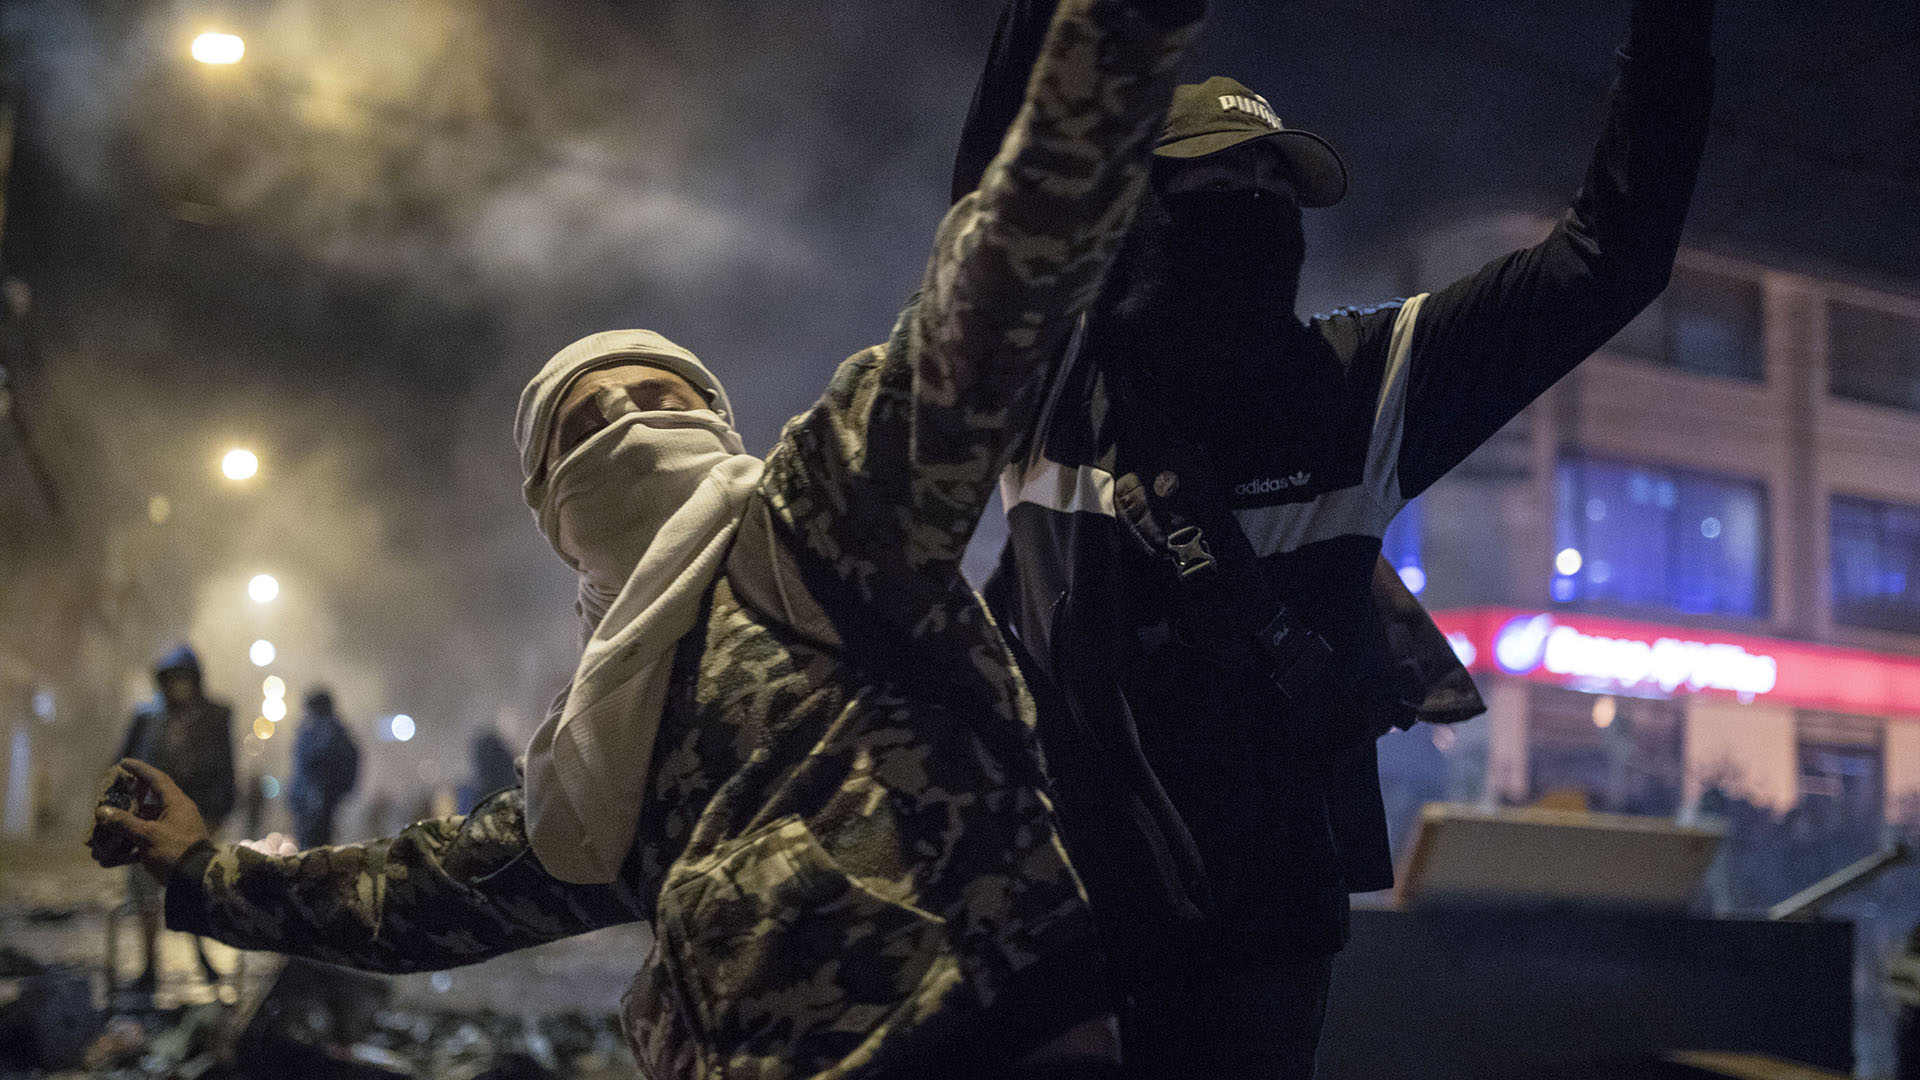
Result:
[1658,335]
[1842,758]
[1577,582]
[1883,329]
[1866,614]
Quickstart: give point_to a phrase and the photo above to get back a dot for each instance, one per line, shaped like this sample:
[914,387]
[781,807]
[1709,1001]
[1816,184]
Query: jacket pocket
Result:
[788,964]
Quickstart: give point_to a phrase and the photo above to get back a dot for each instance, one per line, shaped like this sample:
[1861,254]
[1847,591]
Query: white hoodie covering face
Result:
[644,511]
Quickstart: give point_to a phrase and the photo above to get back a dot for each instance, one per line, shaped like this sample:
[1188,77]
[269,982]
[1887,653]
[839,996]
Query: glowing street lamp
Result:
[263,588]
[214,48]
[239,464]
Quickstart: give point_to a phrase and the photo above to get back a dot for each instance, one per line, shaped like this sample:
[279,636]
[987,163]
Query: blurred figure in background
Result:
[325,765]
[191,739]
[493,769]
[253,804]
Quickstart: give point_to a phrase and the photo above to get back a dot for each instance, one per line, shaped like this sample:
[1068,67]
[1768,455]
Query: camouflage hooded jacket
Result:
[847,855]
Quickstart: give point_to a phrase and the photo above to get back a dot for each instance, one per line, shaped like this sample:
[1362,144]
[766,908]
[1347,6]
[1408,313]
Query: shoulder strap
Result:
[1228,609]
[1181,515]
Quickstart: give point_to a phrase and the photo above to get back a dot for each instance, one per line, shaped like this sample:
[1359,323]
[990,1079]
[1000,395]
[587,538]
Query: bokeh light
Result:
[274,686]
[262,653]
[262,728]
[263,588]
[1605,708]
[1569,561]
[270,787]
[402,727]
[274,709]
[239,464]
[213,48]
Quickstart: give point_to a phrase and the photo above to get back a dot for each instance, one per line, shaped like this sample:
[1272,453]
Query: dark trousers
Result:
[313,827]
[1228,1019]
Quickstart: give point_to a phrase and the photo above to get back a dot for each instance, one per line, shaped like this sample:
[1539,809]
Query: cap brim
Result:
[1319,176]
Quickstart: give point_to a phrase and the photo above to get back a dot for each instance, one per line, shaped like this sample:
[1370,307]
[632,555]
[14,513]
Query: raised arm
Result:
[887,475]
[1487,345]
[444,892]
[1003,86]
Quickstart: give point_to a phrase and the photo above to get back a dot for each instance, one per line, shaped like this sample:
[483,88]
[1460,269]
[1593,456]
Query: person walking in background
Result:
[189,738]
[492,764]
[325,765]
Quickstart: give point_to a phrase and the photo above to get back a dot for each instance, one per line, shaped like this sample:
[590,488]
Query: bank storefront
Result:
[1645,718]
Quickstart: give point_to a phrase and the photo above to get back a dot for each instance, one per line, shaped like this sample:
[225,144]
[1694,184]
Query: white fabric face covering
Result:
[644,510]
[610,497]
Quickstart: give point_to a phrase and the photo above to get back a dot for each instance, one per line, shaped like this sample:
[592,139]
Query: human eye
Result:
[651,396]
[580,422]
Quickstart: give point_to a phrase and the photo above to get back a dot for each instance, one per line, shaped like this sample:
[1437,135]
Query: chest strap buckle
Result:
[1191,555]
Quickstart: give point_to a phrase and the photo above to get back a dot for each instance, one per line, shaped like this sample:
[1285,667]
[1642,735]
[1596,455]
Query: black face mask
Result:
[1198,320]
[1234,255]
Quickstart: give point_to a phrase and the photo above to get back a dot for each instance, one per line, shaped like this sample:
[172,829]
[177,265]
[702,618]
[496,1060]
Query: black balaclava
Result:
[1198,320]
[1235,254]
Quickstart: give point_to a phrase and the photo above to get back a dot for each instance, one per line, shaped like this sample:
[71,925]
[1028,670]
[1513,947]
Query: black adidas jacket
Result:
[1185,808]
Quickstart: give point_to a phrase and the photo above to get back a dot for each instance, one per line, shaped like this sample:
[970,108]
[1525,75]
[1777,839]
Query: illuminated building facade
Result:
[1695,564]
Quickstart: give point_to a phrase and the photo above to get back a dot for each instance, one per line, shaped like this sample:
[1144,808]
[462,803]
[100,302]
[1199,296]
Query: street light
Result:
[239,464]
[212,48]
[263,588]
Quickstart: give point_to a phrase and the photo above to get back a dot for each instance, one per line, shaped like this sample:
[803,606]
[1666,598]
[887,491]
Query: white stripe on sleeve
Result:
[1054,486]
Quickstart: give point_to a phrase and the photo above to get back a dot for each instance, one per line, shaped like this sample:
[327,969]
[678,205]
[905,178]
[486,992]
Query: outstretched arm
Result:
[444,892]
[1487,345]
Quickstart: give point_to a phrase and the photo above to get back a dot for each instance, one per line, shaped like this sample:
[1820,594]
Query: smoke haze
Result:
[349,250]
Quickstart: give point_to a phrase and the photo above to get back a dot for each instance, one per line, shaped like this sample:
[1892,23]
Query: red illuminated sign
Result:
[1607,655]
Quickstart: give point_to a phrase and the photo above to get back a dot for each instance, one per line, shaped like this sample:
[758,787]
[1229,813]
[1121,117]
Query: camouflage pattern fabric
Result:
[847,854]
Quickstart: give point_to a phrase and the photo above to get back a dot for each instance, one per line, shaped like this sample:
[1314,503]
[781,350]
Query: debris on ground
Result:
[47,1016]
[301,1019]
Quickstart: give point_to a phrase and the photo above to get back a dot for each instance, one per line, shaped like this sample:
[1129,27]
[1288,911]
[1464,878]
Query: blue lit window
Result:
[1401,546]
[1876,554]
[1651,536]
